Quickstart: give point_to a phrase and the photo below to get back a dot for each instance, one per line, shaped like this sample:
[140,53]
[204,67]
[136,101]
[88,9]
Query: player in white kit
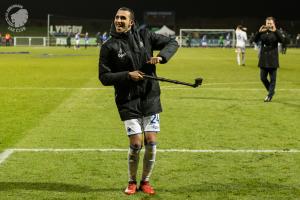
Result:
[241,38]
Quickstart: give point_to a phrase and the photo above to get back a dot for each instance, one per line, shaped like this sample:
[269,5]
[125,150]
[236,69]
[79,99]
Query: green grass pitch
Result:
[51,98]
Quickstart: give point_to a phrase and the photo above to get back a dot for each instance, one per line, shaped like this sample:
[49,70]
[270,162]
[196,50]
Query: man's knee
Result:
[263,78]
[135,140]
[135,147]
[150,137]
[273,79]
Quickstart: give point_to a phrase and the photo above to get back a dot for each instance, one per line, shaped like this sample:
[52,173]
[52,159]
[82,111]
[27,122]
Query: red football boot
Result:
[131,188]
[146,187]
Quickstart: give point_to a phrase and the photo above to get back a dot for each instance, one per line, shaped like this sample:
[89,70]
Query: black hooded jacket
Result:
[125,52]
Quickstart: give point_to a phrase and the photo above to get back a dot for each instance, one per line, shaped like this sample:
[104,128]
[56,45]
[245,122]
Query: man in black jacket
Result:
[269,37]
[124,59]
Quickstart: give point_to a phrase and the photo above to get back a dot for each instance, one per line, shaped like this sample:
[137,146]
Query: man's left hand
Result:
[154,60]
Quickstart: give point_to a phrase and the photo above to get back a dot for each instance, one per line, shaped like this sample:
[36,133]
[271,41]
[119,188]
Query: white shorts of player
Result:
[77,42]
[140,125]
[240,49]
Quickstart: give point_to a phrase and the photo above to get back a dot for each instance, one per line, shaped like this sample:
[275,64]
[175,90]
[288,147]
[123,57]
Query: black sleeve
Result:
[166,45]
[279,36]
[257,37]
[106,76]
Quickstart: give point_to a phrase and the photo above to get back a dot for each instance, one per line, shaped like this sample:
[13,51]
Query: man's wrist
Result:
[128,75]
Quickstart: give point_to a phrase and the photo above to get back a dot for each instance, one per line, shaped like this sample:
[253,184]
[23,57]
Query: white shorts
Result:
[240,49]
[140,125]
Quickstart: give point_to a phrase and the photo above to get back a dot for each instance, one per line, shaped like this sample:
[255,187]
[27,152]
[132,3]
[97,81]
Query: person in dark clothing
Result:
[298,40]
[189,40]
[68,40]
[286,41]
[124,58]
[7,39]
[269,37]
[98,39]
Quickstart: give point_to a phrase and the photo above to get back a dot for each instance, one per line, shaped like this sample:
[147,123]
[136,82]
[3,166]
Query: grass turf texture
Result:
[49,99]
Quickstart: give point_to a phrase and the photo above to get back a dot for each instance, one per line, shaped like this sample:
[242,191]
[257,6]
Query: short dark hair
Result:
[129,10]
[271,18]
[240,26]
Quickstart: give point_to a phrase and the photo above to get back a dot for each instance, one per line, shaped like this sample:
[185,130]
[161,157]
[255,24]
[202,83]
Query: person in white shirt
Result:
[86,40]
[77,41]
[241,38]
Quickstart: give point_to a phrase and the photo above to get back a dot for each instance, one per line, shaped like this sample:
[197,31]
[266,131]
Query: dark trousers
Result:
[269,85]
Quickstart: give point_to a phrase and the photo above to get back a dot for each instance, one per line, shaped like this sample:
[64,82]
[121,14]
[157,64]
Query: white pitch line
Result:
[4,155]
[164,150]
[53,88]
[8,152]
[68,150]
[231,151]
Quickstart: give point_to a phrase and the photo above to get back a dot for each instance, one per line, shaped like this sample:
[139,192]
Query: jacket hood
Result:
[136,45]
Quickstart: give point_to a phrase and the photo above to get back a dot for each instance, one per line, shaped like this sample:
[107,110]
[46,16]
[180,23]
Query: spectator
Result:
[251,41]
[98,39]
[77,41]
[286,41]
[7,39]
[228,42]
[298,40]
[104,37]
[86,40]
[68,40]
[221,41]
[189,40]
[204,41]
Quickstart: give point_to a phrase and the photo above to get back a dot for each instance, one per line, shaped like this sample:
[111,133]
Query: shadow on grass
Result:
[286,103]
[256,188]
[57,187]
[294,105]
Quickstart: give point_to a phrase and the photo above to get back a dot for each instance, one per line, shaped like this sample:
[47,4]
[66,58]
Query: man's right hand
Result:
[136,75]
[263,28]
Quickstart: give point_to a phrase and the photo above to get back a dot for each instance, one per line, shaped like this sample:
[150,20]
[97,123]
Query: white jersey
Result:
[77,36]
[241,38]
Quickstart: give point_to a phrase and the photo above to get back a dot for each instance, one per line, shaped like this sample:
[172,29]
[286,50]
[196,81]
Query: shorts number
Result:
[154,119]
